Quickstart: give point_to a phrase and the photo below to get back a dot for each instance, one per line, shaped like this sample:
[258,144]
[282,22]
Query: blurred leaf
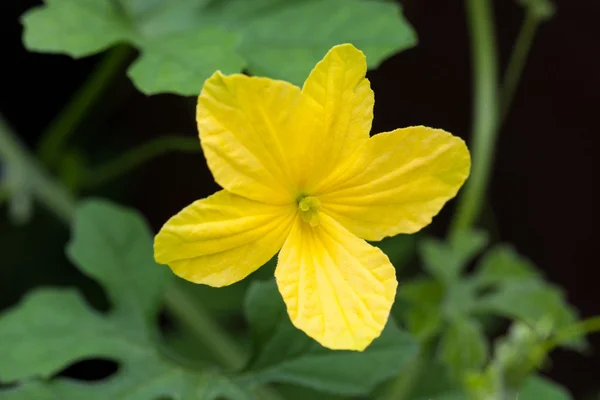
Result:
[446,260]
[435,383]
[183,42]
[148,379]
[463,346]
[530,302]
[461,298]
[295,392]
[400,249]
[52,329]
[537,388]
[503,265]
[114,246]
[419,305]
[285,354]
[32,390]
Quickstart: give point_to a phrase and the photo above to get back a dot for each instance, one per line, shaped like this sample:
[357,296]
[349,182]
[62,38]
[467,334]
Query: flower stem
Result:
[517,61]
[50,193]
[133,158]
[54,139]
[485,113]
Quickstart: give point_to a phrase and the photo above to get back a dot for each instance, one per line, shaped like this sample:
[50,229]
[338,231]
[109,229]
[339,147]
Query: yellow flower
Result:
[301,175]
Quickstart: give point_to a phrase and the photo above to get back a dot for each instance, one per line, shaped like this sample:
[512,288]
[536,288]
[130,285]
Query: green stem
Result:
[50,193]
[133,158]
[485,113]
[54,139]
[226,350]
[199,321]
[517,61]
[579,329]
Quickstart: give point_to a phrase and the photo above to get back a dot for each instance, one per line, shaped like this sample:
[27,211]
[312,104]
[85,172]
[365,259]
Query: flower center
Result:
[309,210]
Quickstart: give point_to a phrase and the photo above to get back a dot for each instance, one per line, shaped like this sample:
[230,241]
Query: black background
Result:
[543,192]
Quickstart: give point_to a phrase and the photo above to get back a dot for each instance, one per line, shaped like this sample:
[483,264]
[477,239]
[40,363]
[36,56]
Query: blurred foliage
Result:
[450,311]
[436,345]
[182,42]
[285,354]
[54,328]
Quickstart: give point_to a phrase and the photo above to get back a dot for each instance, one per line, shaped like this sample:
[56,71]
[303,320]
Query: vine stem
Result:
[517,60]
[225,350]
[50,193]
[133,158]
[485,113]
[54,138]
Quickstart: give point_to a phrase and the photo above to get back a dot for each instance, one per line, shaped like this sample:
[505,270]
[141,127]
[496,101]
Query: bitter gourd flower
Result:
[301,176]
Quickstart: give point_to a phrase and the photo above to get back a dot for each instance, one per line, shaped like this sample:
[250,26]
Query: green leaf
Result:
[52,329]
[513,288]
[435,383]
[286,42]
[77,28]
[285,354]
[177,52]
[114,246]
[446,260]
[419,304]
[463,346]
[400,249]
[180,62]
[461,298]
[537,387]
[503,265]
[529,301]
[182,42]
[49,330]
[33,390]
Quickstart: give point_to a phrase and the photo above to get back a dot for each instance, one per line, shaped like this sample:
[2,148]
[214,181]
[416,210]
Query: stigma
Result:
[309,207]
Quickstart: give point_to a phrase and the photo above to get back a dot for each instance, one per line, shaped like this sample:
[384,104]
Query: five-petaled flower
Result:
[301,175]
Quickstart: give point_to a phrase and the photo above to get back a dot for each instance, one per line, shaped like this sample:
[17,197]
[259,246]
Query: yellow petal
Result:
[242,123]
[337,288]
[220,240]
[339,97]
[398,183]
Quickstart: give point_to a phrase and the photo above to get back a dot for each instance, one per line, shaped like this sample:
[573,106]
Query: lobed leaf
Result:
[51,329]
[182,42]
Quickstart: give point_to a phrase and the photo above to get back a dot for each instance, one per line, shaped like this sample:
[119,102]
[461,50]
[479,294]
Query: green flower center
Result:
[309,209]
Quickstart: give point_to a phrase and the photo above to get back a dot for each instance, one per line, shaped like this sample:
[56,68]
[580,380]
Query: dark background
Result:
[543,193]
